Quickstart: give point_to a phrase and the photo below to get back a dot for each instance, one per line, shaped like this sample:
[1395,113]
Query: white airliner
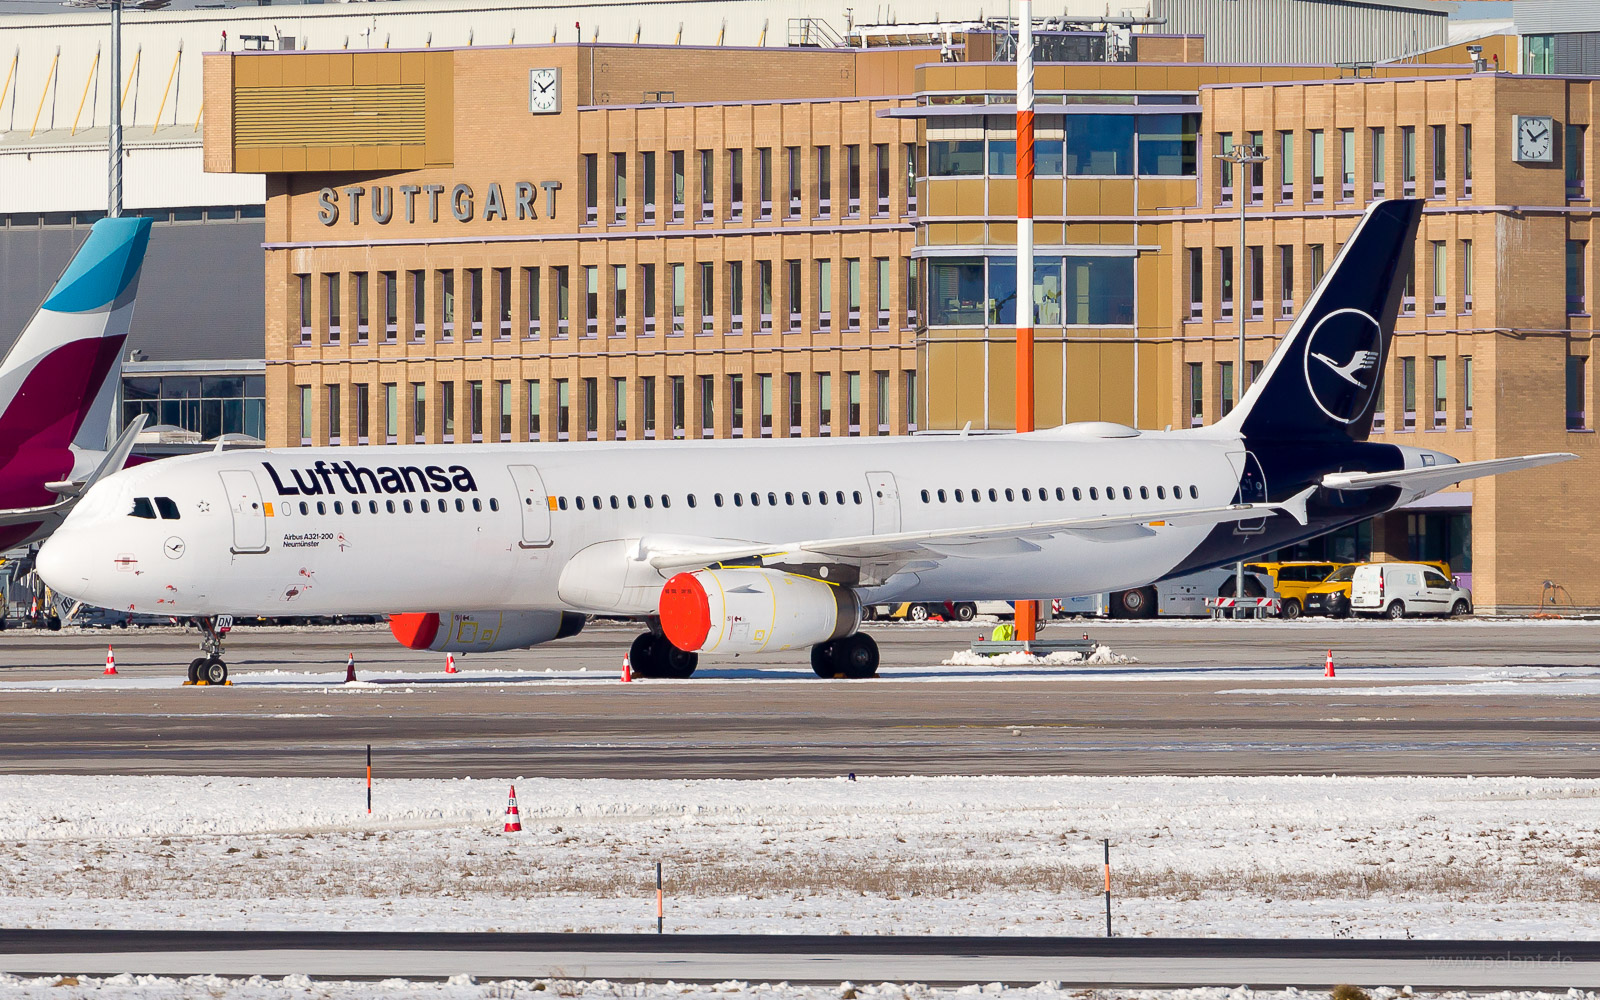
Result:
[728,547]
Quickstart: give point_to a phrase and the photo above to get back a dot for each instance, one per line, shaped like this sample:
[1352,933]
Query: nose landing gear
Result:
[853,657]
[210,669]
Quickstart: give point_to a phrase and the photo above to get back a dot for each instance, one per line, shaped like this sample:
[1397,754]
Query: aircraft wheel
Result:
[678,664]
[965,611]
[214,671]
[1395,611]
[857,656]
[195,666]
[643,654]
[1137,603]
[822,659]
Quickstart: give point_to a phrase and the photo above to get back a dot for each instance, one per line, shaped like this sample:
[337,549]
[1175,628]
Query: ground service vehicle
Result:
[1395,590]
[1292,580]
[1331,597]
[1184,596]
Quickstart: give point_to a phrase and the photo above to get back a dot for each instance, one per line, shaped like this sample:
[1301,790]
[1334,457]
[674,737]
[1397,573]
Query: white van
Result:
[1395,590]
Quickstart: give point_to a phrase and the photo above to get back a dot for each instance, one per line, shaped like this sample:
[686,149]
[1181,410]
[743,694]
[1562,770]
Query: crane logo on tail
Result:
[1342,357]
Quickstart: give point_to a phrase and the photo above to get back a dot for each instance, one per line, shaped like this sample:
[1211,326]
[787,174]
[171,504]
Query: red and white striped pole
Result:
[1026,611]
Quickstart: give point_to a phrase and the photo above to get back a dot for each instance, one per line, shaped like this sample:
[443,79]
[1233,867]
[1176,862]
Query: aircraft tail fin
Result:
[1323,380]
[53,376]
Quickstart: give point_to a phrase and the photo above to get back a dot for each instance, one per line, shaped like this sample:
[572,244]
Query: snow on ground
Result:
[128,987]
[1276,856]
[1101,655]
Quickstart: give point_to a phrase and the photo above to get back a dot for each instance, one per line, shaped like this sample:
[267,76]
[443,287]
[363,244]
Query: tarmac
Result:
[1414,697]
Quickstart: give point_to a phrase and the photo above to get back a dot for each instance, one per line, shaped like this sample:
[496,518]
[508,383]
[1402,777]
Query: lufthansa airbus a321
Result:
[743,547]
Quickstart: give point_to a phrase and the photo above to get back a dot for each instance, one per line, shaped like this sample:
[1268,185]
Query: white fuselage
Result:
[548,526]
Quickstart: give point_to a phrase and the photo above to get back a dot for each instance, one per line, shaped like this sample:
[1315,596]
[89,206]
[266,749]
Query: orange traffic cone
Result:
[111,663]
[1328,670]
[513,818]
[350,669]
[627,669]
[450,664]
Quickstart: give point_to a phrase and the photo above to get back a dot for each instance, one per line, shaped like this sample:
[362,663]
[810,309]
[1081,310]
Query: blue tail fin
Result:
[1324,378]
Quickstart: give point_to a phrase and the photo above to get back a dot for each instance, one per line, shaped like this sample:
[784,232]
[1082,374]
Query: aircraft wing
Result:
[1436,477]
[888,550]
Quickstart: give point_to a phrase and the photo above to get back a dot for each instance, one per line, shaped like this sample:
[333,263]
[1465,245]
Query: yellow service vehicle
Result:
[1331,597]
[1293,580]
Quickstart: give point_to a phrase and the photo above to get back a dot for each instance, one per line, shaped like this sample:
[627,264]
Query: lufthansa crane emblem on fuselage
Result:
[1342,359]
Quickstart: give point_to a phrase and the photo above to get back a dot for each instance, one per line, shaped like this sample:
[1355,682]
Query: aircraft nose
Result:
[64,562]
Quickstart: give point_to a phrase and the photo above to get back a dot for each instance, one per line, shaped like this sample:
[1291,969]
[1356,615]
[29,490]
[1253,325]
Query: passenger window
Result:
[1177,493]
[615,503]
[716,498]
[168,509]
[1194,492]
[1076,493]
[494,504]
[1025,494]
[772,499]
[286,509]
[305,508]
[755,499]
[691,499]
[1044,494]
[805,497]
[1144,493]
[959,496]
[856,495]
[941,496]
[839,496]
[993,496]
[822,497]
[1011,497]
[788,498]
[649,501]
[1127,493]
[338,506]
[322,508]
[461,505]
[390,505]
[444,506]
[355,506]
[738,499]
[561,502]
[666,501]
[406,504]
[924,496]
[477,505]
[632,504]
[1094,494]
[1161,492]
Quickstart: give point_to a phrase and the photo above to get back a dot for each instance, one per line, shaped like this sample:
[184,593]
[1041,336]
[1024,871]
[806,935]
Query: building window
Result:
[1002,157]
[1380,407]
[1577,415]
[1225,282]
[1440,395]
[362,411]
[852,382]
[955,158]
[852,293]
[591,409]
[1347,164]
[1574,156]
[679,299]
[619,408]
[1380,155]
[304,283]
[563,297]
[391,305]
[881,289]
[852,181]
[363,291]
[591,300]
[1408,289]
[1285,166]
[825,404]
[1466,161]
[736,405]
[796,413]
[503,393]
[765,390]
[475,301]
[1575,277]
[911,401]
[563,409]
[764,181]
[1466,392]
[1466,276]
[1225,398]
[881,402]
[911,178]
[211,405]
[1197,391]
[708,297]
[530,302]
[1436,139]
[708,201]
[534,409]
[764,291]
[1285,281]
[791,293]
[330,287]
[647,404]
[419,412]
[792,164]
[1539,53]
[647,274]
[447,411]
[1256,169]
[591,189]
[825,178]
[1318,265]
[447,297]
[1319,163]
[824,294]
[1408,161]
[735,184]
[1439,273]
[647,168]
[1168,145]
[475,403]
[619,188]
[1197,284]
[305,415]
[1258,305]
[1408,394]
[913,293]
[391,413]
[678,192]
[736,296]
[1225,169]
[880,192]
[676,388]
[619,299]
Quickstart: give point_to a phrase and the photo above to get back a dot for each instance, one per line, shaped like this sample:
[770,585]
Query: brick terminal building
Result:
[570,242]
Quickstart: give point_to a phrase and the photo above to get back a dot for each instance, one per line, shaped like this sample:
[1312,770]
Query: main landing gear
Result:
[853,657]
[208,669]
[654,655]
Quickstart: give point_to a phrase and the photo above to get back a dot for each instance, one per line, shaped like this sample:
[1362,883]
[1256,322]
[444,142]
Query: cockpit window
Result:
[143,508]
[168,509]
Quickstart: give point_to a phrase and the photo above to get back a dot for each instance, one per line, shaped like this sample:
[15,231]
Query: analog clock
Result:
[1534,139]
[544,91]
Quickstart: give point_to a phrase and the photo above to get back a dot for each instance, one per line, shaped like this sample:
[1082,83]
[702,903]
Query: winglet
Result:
[117,455]
[1295,506]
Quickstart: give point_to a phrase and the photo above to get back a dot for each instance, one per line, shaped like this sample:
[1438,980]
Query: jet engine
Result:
[482,631]
[754,611]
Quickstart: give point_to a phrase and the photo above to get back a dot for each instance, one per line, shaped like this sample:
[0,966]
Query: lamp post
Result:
[114,180]
[1240,157]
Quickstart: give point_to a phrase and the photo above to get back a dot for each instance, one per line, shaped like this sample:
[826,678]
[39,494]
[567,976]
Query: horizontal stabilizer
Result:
[1437,477]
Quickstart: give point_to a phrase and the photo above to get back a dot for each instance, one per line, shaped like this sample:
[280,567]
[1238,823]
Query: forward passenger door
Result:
[244,502]
[534,504]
